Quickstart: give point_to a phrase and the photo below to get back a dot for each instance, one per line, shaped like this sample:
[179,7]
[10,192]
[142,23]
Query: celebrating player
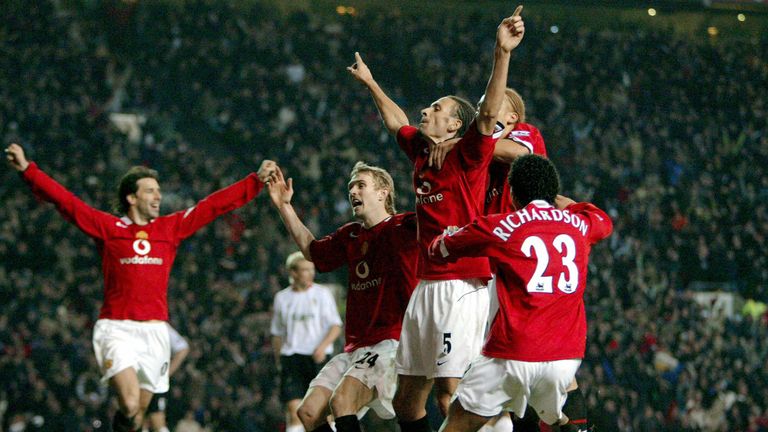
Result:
[538,339]
[380,252]
[130,338]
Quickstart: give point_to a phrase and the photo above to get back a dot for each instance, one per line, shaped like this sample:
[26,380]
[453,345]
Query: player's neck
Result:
[370,221]
[137,219]
[300,287]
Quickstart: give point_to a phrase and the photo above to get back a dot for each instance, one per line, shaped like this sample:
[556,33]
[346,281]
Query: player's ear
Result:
[454,125]
[511,118]
[131,198]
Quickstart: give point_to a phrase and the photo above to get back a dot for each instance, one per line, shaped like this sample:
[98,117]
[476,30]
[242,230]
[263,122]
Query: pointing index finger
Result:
[518,10]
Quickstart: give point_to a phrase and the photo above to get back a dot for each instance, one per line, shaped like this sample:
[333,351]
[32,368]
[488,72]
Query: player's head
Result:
[533,177]
[512,107]
[301,271]
[139,192]
[370,187]
[446,117]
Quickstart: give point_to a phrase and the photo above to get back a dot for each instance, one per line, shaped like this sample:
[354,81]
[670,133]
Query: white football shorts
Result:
[443,328]
[142,345]
[492,385]
[374,366]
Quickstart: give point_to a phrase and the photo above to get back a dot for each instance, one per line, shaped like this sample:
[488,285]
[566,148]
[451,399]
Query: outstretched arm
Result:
[508,36]
[281,192]
[394,117]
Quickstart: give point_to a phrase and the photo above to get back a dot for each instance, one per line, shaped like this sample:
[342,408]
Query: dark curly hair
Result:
[533,177]
[129,186]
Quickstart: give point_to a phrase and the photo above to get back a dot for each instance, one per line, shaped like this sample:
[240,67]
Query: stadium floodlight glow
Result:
[554,29]
[346,10]
[652,12]
[741,17]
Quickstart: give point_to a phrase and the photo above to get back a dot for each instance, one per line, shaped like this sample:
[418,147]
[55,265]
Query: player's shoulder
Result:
[525,129]
[321,290]
[402,224]
[283,293]
[408,132]
[349,230]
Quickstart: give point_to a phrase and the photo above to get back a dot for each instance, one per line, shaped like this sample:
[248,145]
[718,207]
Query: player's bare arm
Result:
[394,117]
[280,193]
[508,150]
[15,155]
[319,354]
[509,34]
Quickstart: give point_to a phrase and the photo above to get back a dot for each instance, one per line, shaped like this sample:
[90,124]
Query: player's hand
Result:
[15,155]
[510,32]
[438,152]
[360,70]
[318,356]
[280,191]
[266,170]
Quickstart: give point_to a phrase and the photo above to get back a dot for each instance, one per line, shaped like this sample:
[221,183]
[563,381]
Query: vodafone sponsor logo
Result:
[142,246]
[363,271]
[423,195]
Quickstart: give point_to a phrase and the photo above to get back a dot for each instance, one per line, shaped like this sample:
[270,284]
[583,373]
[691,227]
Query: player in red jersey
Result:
[130,338]
[380,252]
[443,326]
[538,339]
[521,139]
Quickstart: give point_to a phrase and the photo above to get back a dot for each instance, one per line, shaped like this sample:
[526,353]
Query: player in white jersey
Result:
[305,323]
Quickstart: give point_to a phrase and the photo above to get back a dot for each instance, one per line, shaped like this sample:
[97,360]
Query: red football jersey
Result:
[452,196]
[497,197]
[381,266]
[136,259]
[541,254]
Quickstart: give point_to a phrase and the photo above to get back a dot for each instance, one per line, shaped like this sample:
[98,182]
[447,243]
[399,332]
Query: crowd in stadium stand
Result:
[669,134]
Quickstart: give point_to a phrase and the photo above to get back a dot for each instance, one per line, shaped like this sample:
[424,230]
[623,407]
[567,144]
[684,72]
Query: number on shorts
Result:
[369,358]
[564,245]
[446,343]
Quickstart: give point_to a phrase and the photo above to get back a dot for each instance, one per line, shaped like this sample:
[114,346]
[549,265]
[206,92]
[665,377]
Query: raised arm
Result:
[508,36]
[15,155]
[91,221]
[394,117]
[281,192]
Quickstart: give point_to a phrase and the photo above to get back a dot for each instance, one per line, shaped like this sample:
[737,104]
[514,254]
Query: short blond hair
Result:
[293,259]
[381,180]
[515,101]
